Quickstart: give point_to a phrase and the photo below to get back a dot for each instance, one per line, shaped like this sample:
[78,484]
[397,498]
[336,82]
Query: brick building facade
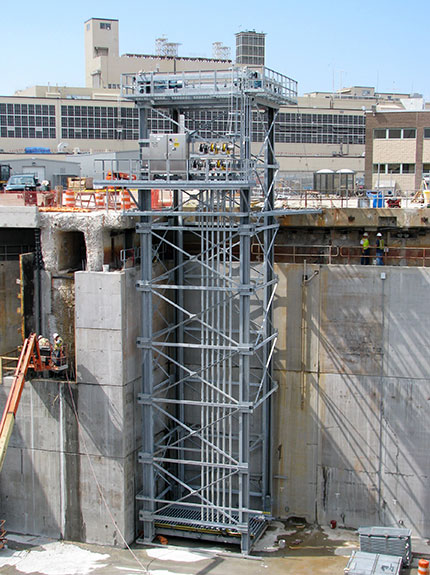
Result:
[397,149]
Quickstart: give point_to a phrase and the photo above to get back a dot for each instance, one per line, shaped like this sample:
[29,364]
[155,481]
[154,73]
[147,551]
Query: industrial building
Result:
[321,131]
[229,363]
[398,150]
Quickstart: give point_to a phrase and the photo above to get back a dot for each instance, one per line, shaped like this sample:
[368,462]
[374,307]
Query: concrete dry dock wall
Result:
[352,429]
[352,412]
[53,468]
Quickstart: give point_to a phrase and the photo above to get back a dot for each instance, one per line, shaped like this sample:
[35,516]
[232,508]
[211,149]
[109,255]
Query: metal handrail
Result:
[129,254]
[205,83]
[300,252]
[328,254]
[421,254]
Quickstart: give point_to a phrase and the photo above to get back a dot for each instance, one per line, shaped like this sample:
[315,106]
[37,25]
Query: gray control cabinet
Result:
[168,154]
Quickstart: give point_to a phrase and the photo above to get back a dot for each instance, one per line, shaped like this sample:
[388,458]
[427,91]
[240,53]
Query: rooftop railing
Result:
[157,87]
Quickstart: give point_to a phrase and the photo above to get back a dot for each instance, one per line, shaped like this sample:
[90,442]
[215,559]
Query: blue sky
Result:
[322,45]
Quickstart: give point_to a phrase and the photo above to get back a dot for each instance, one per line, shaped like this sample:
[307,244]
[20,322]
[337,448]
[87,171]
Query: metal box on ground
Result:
[388,540]
[362,563]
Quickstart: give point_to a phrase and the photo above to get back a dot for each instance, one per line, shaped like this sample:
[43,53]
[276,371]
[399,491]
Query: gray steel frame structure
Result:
[207,335]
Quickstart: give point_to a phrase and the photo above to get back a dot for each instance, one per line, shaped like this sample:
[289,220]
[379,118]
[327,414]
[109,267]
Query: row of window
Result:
[250,40]
[244,50]
[46,133]
[110,122]
[99,123]
[290,118]
[307,138]
[336,130]
[31,109]
[96,134]
[394,168]
[398,133]
[100,111]
[394,133]
[27,121]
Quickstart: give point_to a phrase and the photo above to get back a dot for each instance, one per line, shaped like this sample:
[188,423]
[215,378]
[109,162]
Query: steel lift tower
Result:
[207,286]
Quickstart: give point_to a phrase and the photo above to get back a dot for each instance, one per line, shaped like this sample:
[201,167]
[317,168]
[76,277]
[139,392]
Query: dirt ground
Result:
[286,548]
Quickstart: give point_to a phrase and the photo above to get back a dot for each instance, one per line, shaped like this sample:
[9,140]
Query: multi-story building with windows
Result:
[250,48]
[63,123]
[397,149]
[314,134]
[323,131]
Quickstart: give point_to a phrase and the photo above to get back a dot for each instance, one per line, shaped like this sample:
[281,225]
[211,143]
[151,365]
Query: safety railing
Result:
[317,254]
[397,255]
[217,83]
[286,198]
[130,257]
[8,364]
[327,254]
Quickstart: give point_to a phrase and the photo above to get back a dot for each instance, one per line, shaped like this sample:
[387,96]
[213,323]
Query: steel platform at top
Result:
[212,88]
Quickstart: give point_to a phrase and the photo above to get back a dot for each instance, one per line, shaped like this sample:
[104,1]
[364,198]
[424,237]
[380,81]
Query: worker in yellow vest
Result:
[380,248]
[365,249]
[58,352]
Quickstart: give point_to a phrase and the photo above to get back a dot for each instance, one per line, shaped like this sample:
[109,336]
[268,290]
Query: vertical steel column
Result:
[269,234]
[179,316]
[244,364]
[143,123]
[145,342]
[244,331]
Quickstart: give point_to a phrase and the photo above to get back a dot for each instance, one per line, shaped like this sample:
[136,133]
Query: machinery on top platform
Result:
[189,151]
[190,89]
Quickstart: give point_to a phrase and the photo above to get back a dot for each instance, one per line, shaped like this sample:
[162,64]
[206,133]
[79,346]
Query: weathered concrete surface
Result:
[306,550]
[353,366]
[10,320]
[351,433]
[18,216]
[95,226]
[56,472]
[70,478]
[107,327]
[369,218]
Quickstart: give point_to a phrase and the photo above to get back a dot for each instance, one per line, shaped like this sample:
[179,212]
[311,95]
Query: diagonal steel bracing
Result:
[207,287]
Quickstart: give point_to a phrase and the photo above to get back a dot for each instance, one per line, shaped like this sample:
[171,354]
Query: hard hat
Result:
[40,337]
[365,234]
[378,234]
[55,335]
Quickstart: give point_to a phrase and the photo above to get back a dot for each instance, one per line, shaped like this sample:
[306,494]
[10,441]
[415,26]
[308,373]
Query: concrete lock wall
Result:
[350,417]
[55,471]
[352,420]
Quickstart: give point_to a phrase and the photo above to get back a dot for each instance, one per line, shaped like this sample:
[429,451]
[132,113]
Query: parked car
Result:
[21,182]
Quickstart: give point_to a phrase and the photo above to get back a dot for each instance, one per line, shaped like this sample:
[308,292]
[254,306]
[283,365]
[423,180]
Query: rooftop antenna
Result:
[165,48]
[220,52]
